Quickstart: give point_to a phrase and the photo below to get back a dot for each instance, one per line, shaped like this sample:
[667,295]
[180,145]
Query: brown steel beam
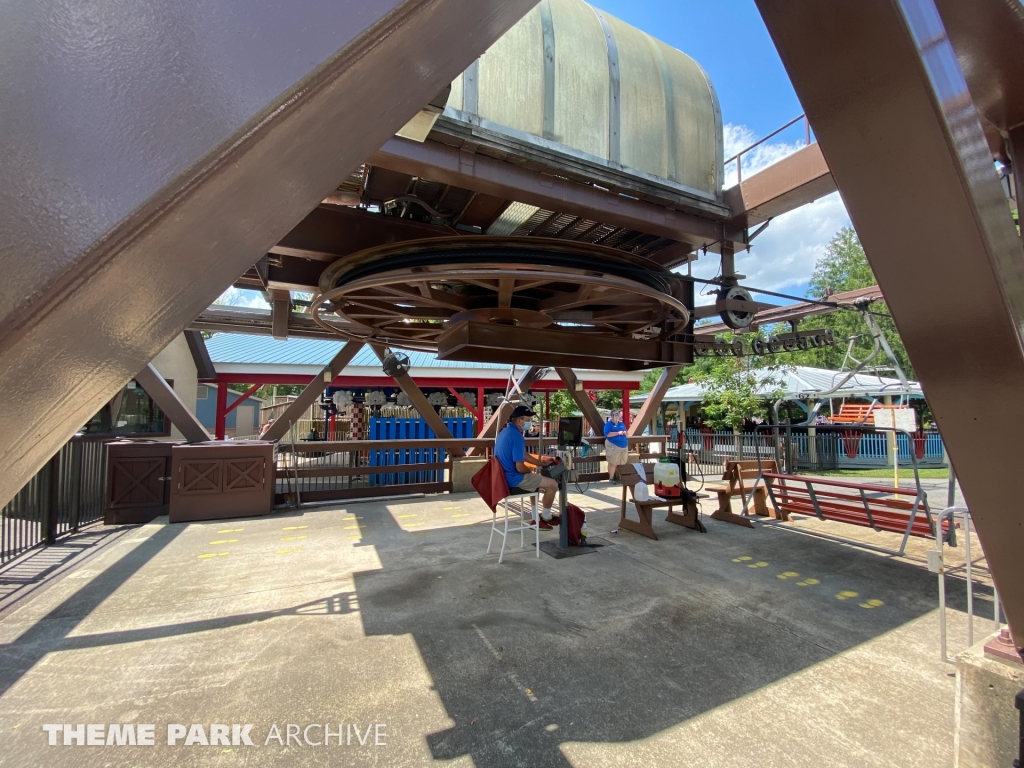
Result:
[313,390]
[587,407]
[653,401]
[793,181]
[330,232]
[486,342]
[884,91]
[419,402]
[280,311]
[176,410]
[500,414]
[122,220]
[480,173]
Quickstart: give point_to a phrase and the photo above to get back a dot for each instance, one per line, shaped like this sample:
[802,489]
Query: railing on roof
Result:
[738,157]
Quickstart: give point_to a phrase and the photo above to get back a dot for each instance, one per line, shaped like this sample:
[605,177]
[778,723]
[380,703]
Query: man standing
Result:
[521,467]
[616,445]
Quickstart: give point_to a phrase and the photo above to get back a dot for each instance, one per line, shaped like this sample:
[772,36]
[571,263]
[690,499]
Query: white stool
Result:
[528,520]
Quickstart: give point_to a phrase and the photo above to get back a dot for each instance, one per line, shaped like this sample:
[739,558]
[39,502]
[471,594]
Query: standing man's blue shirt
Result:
[619,440]
[510,447]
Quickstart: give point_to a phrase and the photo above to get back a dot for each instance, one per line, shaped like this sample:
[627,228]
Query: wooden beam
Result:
[653,401]
[181,417]
[312,391]
[419,402]
[589,410]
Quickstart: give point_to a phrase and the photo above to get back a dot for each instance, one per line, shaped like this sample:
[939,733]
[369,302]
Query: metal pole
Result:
[563,526]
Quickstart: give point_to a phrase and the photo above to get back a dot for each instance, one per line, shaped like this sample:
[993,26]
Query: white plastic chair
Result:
[528,520]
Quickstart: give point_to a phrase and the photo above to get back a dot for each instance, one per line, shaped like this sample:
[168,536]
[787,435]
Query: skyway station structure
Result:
[507,182]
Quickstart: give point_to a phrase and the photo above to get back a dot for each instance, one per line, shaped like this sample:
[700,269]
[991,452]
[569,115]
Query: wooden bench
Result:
[880,507]
[645,509]
[736,474]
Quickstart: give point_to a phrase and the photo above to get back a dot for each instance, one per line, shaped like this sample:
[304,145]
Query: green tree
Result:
[844,267]
[734,393]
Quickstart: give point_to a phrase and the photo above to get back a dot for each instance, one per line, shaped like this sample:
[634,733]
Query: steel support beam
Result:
[419,402]
[882,87]
[653,401]
[180,415]
[145,172]
[280,312]
[313,390]
[577,393]
[783,186]
[480,173]
[488,342]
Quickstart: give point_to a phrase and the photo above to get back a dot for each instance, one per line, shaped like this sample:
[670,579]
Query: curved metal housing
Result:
[572,76]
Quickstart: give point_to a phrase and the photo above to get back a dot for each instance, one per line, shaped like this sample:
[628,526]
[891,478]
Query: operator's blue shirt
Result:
[510,447]
[619,440]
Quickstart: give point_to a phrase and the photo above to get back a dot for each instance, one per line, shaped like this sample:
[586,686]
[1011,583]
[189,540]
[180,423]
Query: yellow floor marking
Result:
[352,517]
[845,595]
[294,527]
[349,527]
[224,541]
[446,509]
[873,603]
[741,559]
[760,564]
[288,551]
[400,517]
[231,530]
[291,538]
[212,554]
[356,536]
[464,514]
[808,583]
[788,575]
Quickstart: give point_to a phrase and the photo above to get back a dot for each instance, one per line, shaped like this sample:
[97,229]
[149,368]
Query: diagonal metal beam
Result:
[419,402]
[653,401]
[181,417]
[500,414]
[587,407]
[123,220]
[882,86]
[313,390]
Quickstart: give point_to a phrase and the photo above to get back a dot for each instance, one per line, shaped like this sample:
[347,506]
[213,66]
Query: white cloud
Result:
[782,257]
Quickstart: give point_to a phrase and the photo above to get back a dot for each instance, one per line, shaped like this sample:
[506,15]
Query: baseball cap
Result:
[521,410]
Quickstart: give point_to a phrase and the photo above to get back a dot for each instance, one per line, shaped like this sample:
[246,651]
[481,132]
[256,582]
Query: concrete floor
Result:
[733,648]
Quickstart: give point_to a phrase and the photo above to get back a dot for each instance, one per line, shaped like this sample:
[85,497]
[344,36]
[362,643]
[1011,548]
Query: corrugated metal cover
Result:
[247,348]
[579,77]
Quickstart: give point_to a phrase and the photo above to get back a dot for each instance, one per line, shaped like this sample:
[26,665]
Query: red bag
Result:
[575,517]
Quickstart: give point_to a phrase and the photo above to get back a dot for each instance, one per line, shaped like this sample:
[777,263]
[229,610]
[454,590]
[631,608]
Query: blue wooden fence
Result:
[386,428]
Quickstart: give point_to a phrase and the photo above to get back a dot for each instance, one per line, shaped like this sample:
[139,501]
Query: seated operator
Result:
[521,467]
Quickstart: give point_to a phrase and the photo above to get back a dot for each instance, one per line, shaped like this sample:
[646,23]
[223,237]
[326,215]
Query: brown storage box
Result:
[216,480]
[138,481]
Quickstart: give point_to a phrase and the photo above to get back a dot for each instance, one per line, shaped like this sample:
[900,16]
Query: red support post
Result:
[222,409]
[242,397]
[625,408]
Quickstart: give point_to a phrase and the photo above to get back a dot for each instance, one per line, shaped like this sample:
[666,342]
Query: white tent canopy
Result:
[803,383]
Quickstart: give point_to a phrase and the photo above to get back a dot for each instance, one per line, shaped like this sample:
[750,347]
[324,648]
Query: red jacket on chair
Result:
[490,483]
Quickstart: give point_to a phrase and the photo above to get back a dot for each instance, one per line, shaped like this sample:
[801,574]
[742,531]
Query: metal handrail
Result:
[939,567]
[737,157]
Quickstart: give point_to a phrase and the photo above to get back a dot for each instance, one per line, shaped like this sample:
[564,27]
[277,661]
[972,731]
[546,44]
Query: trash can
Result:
[138,481]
